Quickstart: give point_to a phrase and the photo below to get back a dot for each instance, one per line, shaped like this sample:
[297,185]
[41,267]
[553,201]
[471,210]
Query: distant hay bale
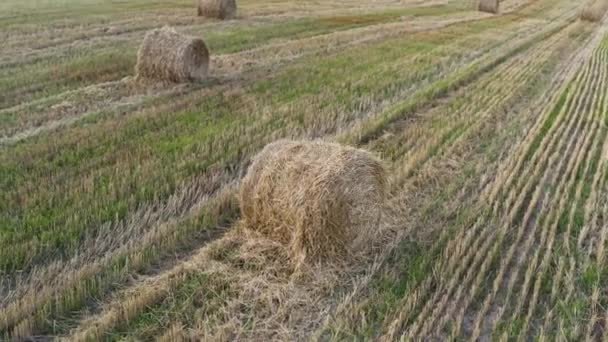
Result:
[170,56]
[490,6]
[219,9]
[322,200]
[594,10]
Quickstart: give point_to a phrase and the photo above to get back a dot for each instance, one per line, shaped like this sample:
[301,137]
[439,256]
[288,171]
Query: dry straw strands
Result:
[321,200]
[594,10]
[219,9]
[490,6]
[169,56]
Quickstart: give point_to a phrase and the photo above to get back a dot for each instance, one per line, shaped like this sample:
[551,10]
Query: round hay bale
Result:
[170,56]
[490,6]
[594,10]
[219,9]
[322,200]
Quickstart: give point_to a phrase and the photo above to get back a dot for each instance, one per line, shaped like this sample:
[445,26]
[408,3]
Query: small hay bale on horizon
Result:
[167,55]
[489,6]
[219,9]
[594,10]
[320,200]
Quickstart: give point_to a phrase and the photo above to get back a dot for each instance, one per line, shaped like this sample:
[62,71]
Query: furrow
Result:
[453,280]
[539,122]
[542,272]
[487,261]
[514,78]
[553,212]
[488,96]
[517,161]
[538,203]
[497,237]
[515,73]
[570,275]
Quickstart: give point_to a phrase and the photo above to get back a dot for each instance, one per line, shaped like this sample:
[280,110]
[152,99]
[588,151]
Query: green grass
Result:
[21,14]
[47,78]
[242,38]
[186,234]
[199,295]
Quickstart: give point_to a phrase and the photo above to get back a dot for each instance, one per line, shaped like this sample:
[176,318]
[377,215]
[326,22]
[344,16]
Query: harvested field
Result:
[126,211]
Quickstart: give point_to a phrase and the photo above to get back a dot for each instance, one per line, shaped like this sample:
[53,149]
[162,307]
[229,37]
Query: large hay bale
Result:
[594,10]
[322,200]
[170,56]
[219,9]
[490,6]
